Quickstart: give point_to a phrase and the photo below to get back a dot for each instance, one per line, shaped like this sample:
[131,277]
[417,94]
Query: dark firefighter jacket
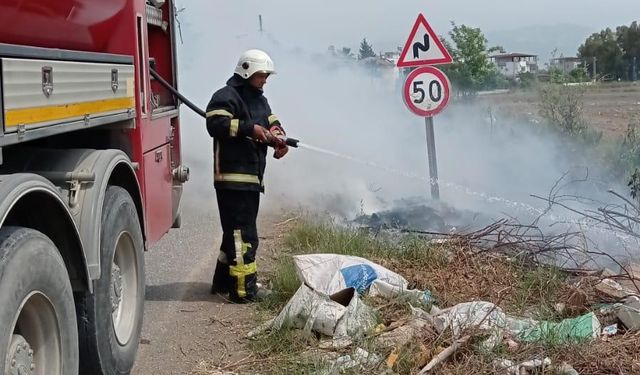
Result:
[239,162]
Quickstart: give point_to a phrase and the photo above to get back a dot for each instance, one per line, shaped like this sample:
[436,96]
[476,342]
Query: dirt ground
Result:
[609,107]
[186,329]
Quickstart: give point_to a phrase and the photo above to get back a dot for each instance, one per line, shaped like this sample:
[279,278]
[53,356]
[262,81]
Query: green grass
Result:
[284,283]
[323,237]
[538,288]
[311,237]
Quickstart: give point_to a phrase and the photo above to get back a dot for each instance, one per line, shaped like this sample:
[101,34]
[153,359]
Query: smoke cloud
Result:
[491,168]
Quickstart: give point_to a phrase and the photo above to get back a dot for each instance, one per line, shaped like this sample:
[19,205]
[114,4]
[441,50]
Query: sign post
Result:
[433,162]
[426,93]
[427,89]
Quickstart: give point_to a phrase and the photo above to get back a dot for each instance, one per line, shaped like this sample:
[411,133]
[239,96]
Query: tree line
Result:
[613,53]
[608,54]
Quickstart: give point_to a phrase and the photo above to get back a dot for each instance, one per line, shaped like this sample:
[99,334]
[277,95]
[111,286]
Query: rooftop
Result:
[509,55]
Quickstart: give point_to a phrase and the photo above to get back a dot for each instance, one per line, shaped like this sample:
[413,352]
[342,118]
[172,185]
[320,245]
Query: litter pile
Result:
[344,301]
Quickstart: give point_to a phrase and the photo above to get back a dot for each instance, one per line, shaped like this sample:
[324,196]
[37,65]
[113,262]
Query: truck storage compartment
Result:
[43,93]
[158,189]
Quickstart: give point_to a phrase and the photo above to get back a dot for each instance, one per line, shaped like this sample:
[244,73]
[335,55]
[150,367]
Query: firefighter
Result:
[242,125]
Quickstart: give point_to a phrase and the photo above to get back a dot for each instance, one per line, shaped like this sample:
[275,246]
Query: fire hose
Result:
[288,140]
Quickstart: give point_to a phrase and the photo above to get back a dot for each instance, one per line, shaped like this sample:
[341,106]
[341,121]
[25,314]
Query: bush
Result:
[561,106]
[527,80]
[579,75]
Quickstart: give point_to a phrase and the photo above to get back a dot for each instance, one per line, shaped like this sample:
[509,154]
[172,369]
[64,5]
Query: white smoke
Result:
[345,108]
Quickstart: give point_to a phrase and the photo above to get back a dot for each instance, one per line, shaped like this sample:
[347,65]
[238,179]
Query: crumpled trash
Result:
[488,317]
[481,315]
[414,296]
[511,345]
[335,344]
[402,335]
[513,368]
[359,359]
[328,302]
[340,315]
[611,330]
[629,313]
[407,331]
[584,327]
[613,290]
[357,320]
[565,369]
[331,273]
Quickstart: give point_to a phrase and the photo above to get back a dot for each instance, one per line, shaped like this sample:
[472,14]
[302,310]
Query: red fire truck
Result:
[90,176]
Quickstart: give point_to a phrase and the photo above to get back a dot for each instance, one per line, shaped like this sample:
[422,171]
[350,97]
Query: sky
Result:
[387,23]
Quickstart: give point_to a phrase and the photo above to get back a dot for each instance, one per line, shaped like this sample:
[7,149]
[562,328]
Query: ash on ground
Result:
[416,214]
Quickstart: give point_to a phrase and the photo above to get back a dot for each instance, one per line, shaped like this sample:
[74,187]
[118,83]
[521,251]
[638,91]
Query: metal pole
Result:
[433,163]
[260,20]
[594,68]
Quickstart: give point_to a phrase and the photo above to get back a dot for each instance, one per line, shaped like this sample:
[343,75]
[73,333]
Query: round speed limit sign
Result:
[426,91]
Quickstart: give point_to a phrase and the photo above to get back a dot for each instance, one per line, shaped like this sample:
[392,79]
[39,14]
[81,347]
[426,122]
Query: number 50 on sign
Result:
[426,91]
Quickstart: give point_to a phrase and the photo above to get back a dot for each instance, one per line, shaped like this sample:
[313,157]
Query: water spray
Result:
[520,206]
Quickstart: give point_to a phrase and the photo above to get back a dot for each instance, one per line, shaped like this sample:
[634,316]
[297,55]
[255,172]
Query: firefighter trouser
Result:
[236,266]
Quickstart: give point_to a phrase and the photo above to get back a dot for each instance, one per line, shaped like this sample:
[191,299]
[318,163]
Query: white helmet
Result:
[253,61]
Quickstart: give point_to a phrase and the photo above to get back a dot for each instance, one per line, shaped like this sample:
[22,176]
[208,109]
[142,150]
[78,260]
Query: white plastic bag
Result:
[331,273]
[313,311]
[357,320]
[478,314]
[386,290]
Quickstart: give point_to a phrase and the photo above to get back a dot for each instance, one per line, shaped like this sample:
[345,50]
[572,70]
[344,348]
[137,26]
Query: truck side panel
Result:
[68,24]
[158,197]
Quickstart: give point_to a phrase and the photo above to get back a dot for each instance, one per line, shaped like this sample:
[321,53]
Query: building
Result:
[391,56]
[512,64]
[566,64]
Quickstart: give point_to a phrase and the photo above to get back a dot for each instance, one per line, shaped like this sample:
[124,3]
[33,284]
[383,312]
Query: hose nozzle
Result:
[292,142]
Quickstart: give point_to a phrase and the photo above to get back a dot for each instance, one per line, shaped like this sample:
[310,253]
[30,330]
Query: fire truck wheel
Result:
[38,334]
[110,319]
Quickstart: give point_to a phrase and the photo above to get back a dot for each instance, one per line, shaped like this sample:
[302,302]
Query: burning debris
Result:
[414,214]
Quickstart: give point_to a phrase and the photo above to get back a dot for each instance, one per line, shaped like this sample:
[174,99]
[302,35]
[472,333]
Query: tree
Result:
[496,49]
[366,50]
[629,40]
[346,52]
[471,69]
[609,58]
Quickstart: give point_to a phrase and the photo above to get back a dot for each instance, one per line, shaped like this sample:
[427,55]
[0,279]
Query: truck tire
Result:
[38,329]
[110,319]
